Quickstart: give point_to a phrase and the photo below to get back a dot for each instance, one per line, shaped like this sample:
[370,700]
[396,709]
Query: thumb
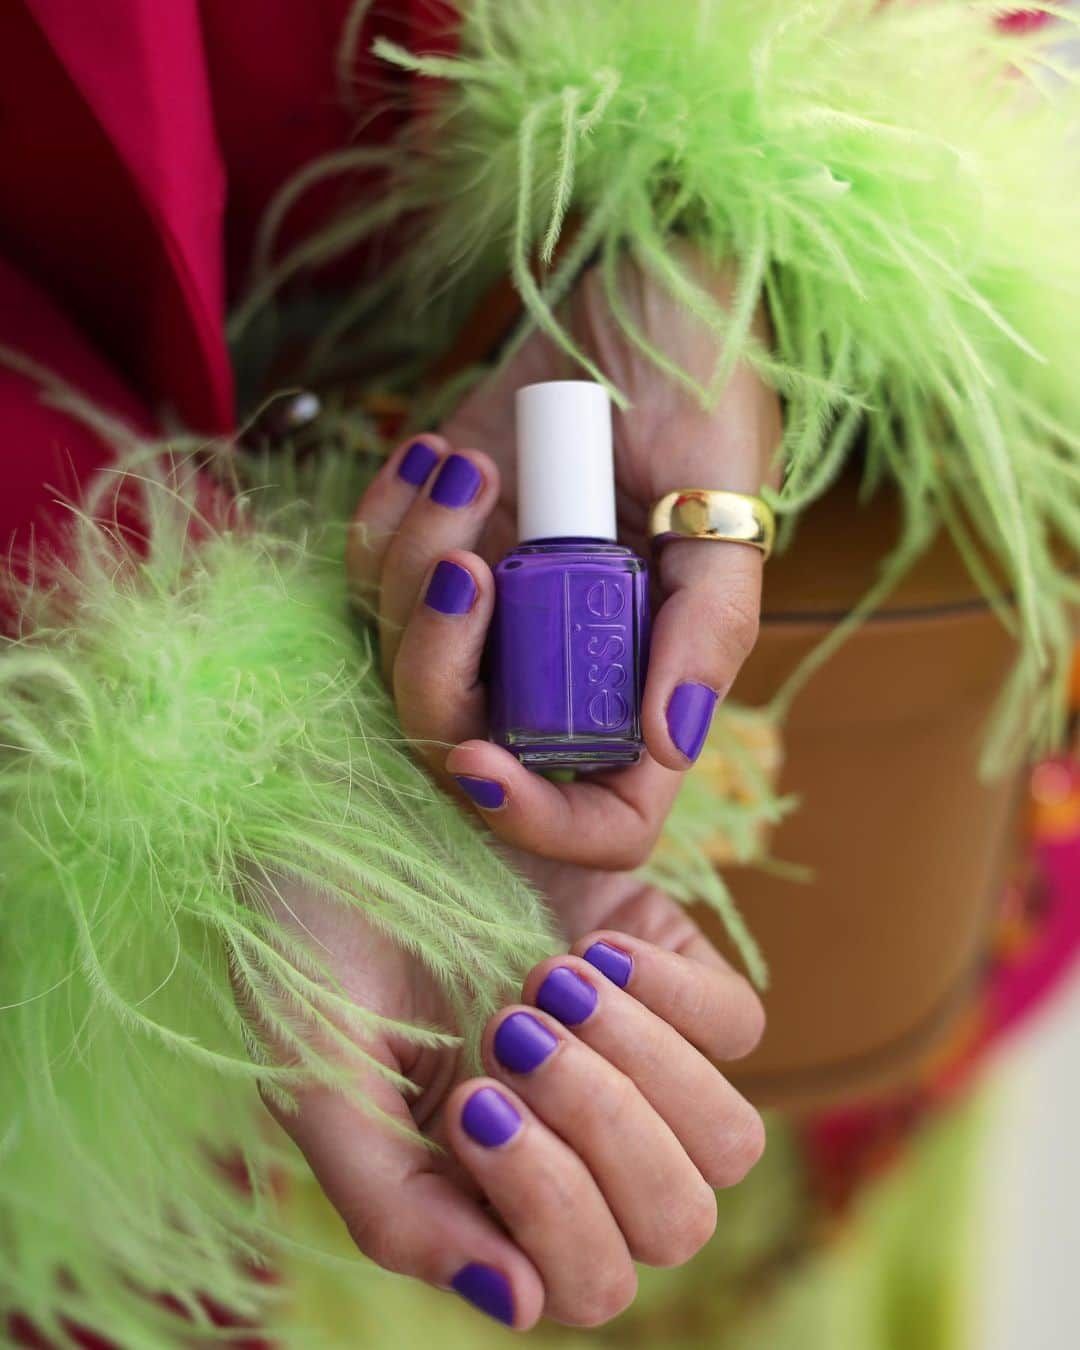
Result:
[704,630]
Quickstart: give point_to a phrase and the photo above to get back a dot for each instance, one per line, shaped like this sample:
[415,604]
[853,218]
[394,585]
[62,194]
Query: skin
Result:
[630,1123]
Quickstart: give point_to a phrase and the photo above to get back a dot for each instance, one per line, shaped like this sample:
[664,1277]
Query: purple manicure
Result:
[417,462]
[458,482]
[485,792]
[522,1043]
[567,997]
[451,589]
[610,961]
[487,1289]
[689,716]
[489,1118]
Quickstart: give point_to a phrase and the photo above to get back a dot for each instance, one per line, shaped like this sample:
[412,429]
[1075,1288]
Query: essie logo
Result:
[604,642]
[606,599]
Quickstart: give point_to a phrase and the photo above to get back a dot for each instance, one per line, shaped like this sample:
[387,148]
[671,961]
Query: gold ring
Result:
[700,513]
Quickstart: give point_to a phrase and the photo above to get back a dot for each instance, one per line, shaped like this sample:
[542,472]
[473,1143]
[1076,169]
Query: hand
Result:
[628,1093]
[595,1136]
[704,628]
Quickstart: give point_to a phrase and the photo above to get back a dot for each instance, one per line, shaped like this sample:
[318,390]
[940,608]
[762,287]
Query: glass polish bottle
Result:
[570,634]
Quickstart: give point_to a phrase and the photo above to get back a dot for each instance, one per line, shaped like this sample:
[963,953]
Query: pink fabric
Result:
[1025,20]
[113,192]
[47,454]
[141,142]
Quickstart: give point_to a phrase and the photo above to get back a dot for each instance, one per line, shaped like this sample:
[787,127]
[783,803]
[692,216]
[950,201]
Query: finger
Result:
[718,1128]
[664,1207]
[702,633]
[710,1004]
[403,1213]
[548,1200]
[608,820]
[449,514]
[381,510]
[436,679]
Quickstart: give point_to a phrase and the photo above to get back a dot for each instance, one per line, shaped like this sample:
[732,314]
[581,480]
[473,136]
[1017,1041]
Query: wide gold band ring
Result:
[700,513]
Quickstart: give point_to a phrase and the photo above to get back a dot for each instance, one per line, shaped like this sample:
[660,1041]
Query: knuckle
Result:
[608,1296]
[688,1228]
[630,854]
[734,623]
[742,1150]
[746,1021]
[550,1190]
[417,681]
[383,1243]
[611,1107]
[698,1226]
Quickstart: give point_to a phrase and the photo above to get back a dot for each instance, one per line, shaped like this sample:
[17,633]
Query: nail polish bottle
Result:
[570,632]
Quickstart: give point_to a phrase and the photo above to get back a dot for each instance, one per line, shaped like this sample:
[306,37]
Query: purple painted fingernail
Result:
[458,482]
[610,961]
[689,715]
[417,462]
[487,1289]
[522,1043]
[485,792]
[451,589]
[567,997]
[489,1118]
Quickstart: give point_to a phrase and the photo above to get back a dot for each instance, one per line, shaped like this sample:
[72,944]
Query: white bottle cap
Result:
[566,475]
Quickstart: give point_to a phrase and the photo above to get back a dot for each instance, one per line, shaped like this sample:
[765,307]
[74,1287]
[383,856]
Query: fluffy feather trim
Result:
[898,185]
[179,717]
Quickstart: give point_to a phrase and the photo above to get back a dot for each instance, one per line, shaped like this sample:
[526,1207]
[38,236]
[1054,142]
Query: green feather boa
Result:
[898,186]
[174,722]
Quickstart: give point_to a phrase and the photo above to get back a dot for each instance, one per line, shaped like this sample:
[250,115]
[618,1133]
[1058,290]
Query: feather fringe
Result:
[898,184]
[181,718]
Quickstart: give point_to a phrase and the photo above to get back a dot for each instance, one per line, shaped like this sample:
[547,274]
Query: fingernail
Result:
[522,1043]
[487,1289]
[417,462]
[689,715]
[458,482]
[451,589]
[489,1118]
[485,792]
[610,961]
[567,997]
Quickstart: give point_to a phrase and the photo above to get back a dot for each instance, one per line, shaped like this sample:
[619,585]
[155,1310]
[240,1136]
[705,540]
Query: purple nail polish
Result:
[567,997]
[489,1118]
[610,961]
[485,792]
[458,482]
[689,716]
[451,589]
[522,1043]
[417,462]
[570,633]
[487,1289]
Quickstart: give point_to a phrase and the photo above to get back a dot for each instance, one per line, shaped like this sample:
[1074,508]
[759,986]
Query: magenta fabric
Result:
[46,453]
[141,142]
[112,195]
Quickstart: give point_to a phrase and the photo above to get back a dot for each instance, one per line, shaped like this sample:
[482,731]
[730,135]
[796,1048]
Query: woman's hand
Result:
[437,516]
[593,1140]
[603,1123]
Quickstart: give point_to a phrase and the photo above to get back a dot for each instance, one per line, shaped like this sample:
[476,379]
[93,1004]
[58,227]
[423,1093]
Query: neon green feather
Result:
[897,184]
[170,722]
